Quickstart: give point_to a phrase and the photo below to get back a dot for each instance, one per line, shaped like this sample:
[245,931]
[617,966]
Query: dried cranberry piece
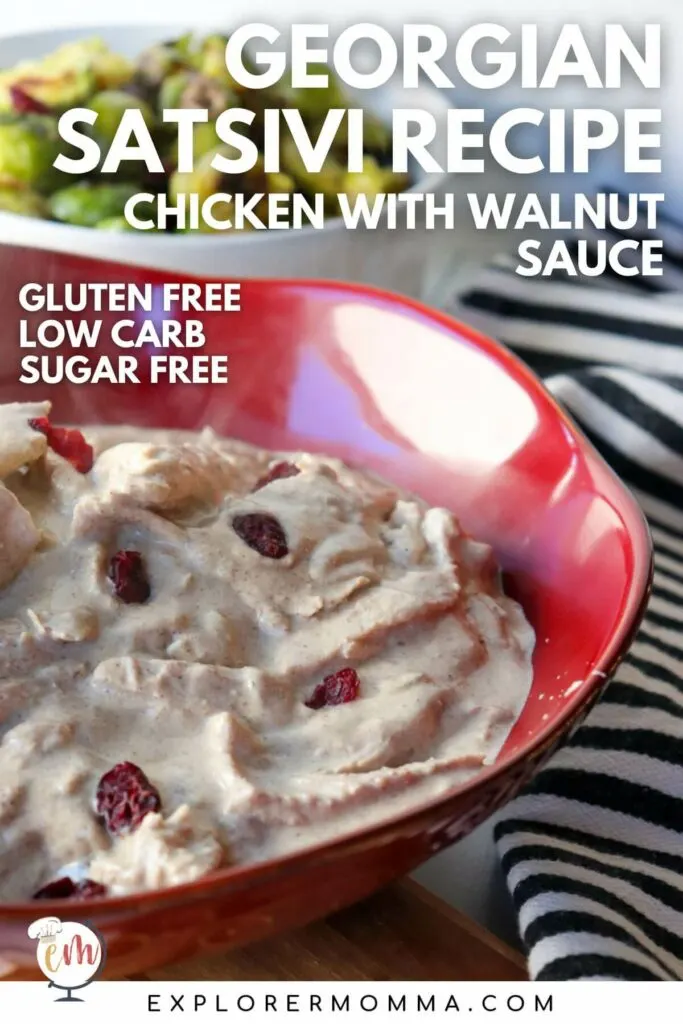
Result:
[66,889]
[280,471]
[67,442]
[263,533]
[24,103]
[128,574]
[340,688]
[87,889]
[41,424]
[124,797]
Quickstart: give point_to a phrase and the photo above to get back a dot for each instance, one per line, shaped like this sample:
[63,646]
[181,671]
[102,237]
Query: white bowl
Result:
[410,261]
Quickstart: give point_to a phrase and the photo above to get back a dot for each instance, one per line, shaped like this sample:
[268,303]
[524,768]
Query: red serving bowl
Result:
[405,391]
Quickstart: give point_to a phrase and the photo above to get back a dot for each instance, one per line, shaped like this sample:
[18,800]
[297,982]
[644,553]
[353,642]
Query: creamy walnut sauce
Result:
[365,662]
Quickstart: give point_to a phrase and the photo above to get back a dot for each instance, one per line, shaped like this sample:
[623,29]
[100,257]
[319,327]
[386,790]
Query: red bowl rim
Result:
[240,877]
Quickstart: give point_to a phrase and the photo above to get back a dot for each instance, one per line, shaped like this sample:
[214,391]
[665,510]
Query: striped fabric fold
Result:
[592,850]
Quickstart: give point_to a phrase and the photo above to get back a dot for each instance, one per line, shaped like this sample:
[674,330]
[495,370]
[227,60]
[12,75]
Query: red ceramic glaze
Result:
[391,386]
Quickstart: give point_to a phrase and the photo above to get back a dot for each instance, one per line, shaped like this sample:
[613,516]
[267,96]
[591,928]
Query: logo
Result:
[70,954]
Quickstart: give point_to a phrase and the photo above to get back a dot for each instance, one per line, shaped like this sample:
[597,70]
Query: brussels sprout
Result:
[208,57]
[205,140]
[376,136]
[29,145]
[24,201]
[88,204]
[277,181]
[110,106]
[171,90]
[258,180]
[114,224]
[372,180]
[111,70]
[328,181]
[119,222]
[206,94]
[66,77]
[161,60]
[313,103]
[204,180]
[56,91]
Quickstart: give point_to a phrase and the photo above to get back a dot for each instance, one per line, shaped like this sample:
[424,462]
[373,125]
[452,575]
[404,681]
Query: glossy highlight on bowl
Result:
[394,387]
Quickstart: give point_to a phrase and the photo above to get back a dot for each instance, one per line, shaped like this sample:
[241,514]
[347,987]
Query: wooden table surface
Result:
[402,933]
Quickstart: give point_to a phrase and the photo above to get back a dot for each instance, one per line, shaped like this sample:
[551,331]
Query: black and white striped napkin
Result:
[592,851]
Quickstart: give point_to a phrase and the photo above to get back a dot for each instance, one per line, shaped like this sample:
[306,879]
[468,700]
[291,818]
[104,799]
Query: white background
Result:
[113,1001]
[17,16]
[466,875]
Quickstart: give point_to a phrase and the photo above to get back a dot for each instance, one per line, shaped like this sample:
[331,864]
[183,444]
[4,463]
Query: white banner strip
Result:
[130,1002]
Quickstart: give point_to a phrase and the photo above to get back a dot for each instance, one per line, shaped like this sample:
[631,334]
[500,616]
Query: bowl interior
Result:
[391,386]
